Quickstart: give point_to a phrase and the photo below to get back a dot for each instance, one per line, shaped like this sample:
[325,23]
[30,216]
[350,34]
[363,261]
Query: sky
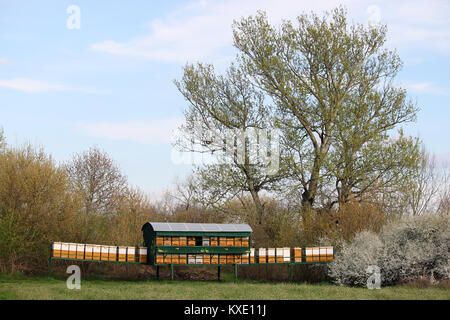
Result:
[76,74]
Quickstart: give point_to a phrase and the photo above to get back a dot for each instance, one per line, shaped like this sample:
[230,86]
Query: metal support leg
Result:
[218,273]
[235,273]
[50,260]
[290,272]
[171,272]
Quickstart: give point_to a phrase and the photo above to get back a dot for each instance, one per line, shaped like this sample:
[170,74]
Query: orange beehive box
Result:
[245,258]
[237,258]
[142,254]
[175,241]
[252,255]
[159,241]
[279,254]
[245,242]
[183,241]
[96,251]
[214,259]
[222,259]
[72,250]
[175,259]
[191,258]
[183,258]
[56,249]
[64,250]
[88,252]
[191,241]
[159,258]
[131,254]
[167,241]
[230,242]
[80,251]
[296,254]
[112,253]
[206,259]
[122,254]
[167,258]
[214,242]
[262,255]
[230,258]
[238,242]
[271,255]
[104,253]
[222,241]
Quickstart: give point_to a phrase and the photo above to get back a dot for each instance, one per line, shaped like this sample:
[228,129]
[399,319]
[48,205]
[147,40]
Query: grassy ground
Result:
[47,289]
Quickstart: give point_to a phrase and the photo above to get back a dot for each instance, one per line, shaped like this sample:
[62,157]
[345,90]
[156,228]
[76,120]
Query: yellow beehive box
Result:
[279,254]
[80,251]
[245,242]
[142,254]
[159,258]
[271,255]
[104,253]
[183,241]
[222,241]
[131,254]
[159,241]
[167,258]
[238,242]
[183,258]
[252,255]
[167,241]
[96,251]
[214,242]
[64,250]
[122,254]
[191,241]
[206,259]
[112,253]
[244,258]
[175,259]
[262,255]
[214,259]
[191,258]
[56,249]
[296,254]
[88,252]
[222,259]
[175,241]
[230,258]
[230,242]
[72,250]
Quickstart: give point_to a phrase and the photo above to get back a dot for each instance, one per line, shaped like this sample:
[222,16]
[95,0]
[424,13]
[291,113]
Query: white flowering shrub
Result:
[351,262]
[405,250]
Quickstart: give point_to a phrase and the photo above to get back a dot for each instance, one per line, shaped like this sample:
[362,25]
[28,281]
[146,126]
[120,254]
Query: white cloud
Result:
[426,88]
[38,86]
[200,30]
[3,61]
[152,132]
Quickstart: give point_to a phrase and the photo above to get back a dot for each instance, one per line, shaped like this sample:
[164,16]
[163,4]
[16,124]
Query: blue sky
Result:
[110,83]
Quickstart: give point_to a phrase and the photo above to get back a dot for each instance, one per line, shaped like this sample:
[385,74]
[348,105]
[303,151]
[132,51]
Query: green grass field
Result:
[48,289]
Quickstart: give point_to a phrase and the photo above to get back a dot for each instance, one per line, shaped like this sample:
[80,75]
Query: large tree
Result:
[228,117]
[332,83]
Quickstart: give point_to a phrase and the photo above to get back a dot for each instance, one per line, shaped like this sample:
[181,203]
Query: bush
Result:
[405,250]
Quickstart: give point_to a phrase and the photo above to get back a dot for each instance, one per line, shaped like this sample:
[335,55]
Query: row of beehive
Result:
[99,252]
[202,241]
[261,255]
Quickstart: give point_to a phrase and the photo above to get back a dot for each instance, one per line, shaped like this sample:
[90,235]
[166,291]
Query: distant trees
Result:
[2,140]
[97,180]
